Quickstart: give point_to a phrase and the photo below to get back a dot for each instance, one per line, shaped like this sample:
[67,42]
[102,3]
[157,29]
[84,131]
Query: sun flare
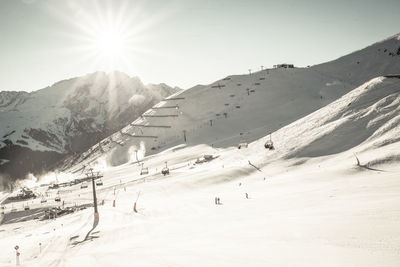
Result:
[110,43]
[111,35]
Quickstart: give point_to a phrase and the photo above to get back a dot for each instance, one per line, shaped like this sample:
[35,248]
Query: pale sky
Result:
[180,42]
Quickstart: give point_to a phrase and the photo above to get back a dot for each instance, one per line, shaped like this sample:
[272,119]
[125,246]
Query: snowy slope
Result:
[364,122]
[69,117]
[308,205]
[381,58]
[243,108]
[96,100]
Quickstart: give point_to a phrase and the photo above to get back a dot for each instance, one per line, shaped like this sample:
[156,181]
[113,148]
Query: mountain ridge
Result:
[70,116]
[245,108]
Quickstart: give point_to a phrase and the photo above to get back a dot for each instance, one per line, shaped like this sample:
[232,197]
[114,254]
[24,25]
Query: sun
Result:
[110,43]
[110,35]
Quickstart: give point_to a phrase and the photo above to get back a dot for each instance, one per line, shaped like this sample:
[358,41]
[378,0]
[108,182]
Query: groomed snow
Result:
[307,205]
[325,212]
[319,210]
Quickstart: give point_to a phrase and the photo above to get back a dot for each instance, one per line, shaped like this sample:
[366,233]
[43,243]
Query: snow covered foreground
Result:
[308,206]
[316,215]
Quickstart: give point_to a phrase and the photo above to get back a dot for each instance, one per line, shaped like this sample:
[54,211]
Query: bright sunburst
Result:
[109,37]
[110,43]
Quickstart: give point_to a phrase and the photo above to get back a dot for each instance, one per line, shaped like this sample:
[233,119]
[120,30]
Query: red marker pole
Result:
[134,207]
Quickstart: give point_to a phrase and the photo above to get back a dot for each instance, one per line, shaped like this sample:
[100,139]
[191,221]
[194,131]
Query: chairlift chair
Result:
[269,144]
[58,199]
[26,207]
[84,185]
[242,145]
[99,182]
[144,171]
[165,170]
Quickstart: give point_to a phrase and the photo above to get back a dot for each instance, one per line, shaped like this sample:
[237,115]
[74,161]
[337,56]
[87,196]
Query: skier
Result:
[247,196]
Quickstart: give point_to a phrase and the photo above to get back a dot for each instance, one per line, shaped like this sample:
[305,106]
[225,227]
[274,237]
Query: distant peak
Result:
[118,74]
[393,37]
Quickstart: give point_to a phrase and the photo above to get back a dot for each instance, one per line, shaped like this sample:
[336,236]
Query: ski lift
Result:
[165,170]
[26,207]
[84,185]
[242,145]
[53,186]
[269,144]
[58,199]
[43,200]
[144,171]
[99,182]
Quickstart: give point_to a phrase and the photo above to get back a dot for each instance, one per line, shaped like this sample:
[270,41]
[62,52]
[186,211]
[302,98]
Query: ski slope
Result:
[305,207]
[308,203]
[244,108]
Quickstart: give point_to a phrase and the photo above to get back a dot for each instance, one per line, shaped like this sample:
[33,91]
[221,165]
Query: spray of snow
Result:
[32,181]
[100,164]
[137,100]
[137,154]
[333,83]
[123,154]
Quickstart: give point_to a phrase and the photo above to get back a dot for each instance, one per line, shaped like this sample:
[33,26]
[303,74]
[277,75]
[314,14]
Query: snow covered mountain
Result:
[43,126]
[244,108]
[305,203]
[307,199]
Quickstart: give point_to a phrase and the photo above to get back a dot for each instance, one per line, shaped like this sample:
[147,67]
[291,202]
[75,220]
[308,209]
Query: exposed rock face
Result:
[42,127]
